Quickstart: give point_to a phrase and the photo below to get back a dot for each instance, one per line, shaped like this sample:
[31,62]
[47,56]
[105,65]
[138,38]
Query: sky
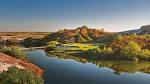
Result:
[52,15]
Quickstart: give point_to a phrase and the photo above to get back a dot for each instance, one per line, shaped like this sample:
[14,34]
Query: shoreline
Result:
[8,61]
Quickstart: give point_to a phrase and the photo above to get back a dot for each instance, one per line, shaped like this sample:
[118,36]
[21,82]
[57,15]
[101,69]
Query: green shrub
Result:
[145,53]
[107,51]
[14,51]
[93,52]
[132,50]
[105,39]
[32,42]
[51,45]
[119,37]
[108,39]
[19,76]
[98,51]
[102,46]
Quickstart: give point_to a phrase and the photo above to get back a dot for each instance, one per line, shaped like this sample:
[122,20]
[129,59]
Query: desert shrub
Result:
[19,76]
[14,51]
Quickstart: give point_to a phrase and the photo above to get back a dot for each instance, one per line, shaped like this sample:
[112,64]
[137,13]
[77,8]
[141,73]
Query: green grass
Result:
[77,48]
[80,46]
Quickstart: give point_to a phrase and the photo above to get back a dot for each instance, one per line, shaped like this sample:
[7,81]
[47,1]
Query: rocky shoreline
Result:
[7,61]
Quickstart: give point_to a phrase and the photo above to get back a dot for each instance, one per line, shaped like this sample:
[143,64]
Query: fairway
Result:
[80,46]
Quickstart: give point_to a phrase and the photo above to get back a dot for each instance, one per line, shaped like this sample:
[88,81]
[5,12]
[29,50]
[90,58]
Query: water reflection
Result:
[63,69]
[118,66]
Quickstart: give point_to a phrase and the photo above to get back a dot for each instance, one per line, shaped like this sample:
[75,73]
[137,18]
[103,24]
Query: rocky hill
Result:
[81,34]
[131,31]
[143,30]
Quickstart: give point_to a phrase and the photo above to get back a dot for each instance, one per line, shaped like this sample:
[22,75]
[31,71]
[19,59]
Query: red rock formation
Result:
[67,36]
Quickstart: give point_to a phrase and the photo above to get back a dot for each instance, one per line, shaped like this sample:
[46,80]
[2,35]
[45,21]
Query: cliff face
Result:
[8,61]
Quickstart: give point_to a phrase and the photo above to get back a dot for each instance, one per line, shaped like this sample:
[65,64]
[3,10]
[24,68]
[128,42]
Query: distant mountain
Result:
[81,34]
[130,31]
[143,30]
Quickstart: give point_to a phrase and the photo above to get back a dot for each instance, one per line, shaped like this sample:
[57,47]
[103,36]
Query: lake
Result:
[75,70]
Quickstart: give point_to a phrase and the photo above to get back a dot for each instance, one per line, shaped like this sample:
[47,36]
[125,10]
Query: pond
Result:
[77,70]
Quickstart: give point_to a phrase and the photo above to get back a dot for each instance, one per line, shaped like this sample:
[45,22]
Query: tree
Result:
[51,45]
[98,51]
[132,50]
[94,51]
[119,37]
[106,51]
[145,53]
[32,42]
[107,39]
[102,46]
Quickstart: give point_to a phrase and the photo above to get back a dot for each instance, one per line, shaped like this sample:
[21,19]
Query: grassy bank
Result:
[19,71]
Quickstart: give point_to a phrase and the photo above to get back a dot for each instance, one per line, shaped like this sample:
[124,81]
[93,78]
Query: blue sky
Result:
[51,15]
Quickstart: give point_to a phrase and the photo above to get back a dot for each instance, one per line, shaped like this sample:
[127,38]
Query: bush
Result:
[32,42]
[119,37]
[51,45]
[102,46]
[97,51]
[106,51]
[109,38]
[132,50]
[106,39]
[145,53]
[14,51]
[94,51]
[19,76]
